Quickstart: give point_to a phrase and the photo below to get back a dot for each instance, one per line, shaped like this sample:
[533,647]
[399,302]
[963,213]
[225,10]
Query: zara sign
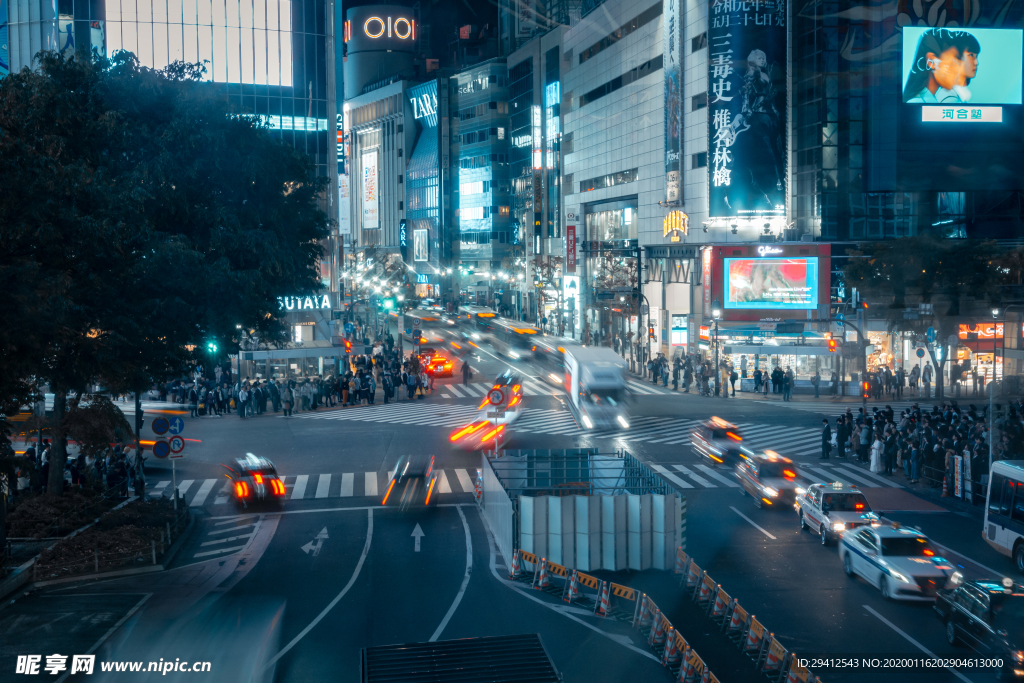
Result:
[303,303]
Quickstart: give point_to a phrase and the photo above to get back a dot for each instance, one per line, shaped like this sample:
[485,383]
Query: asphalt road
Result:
[293,595]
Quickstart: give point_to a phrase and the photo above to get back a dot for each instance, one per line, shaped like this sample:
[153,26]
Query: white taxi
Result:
[830,510]
[898,561]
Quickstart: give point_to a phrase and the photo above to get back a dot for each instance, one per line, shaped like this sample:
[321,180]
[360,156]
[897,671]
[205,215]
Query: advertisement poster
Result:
[747,108]
[673,99]
[570,248]
[344,206]
[370,217]
[961,65]
[771,283]
[419,245]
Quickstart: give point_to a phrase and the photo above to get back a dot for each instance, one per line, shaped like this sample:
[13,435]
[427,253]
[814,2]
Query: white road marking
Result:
[913,642]
[371,483]
[752,522]
[671,477]
[299,490]
[467,483]
[825,475]
[882,480]
[731,483]
[347,482]
[336,600]
[184,486]
[219,551]
[697,478]
[323,486]
[227,540]
[160,487]
[202,493]
[452,388]
[465,578]
[864,481]
[443,486]
[230,529]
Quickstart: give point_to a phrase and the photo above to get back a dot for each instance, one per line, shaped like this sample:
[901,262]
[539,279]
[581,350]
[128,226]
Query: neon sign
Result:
[401,28]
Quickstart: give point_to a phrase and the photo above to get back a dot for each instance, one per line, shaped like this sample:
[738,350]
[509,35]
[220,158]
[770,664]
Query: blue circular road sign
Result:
[920,353]
[160,426]
[177,425]
[161,449]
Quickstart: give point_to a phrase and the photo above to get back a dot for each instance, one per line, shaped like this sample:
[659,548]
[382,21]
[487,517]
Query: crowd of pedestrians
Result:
[116,470]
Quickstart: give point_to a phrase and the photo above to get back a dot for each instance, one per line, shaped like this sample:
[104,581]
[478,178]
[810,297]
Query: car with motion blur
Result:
[254,481]
[719,442]
[988,616]
[501,407]
[438,365]
[772,480]
[832,509]
[897,560]
[413,484]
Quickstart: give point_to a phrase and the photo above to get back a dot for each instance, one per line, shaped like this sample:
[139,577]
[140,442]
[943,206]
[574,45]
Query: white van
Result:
[1004,514]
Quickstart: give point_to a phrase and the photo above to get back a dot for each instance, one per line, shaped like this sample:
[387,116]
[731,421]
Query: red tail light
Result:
[278,487]
[468,429]
[492,434]
[259,478]
[734,436]
[858,506]
[929,553]
[513,402]
[390,486]
[241,489]
[789,474]
[430,490]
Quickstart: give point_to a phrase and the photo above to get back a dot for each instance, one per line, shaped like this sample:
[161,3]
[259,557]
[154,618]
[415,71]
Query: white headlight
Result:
[800,491]
[622,421]
[513,354]
[838,526]
[587,423]
[899,577]
[770,492]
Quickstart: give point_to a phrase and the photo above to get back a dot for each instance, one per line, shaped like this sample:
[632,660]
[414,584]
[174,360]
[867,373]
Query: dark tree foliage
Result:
[142,216]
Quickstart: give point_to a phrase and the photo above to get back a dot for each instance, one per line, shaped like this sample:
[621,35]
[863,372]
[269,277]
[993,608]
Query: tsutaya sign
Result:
[301,303]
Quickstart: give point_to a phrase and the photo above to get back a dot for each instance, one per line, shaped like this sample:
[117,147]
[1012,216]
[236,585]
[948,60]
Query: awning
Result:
[779,350]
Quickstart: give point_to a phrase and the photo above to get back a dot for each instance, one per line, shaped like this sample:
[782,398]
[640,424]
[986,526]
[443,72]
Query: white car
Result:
[897,560]
[830,510]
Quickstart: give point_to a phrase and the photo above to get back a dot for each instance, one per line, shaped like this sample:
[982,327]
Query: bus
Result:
[1004,512]
[514,339]
[429,323]
[476,322]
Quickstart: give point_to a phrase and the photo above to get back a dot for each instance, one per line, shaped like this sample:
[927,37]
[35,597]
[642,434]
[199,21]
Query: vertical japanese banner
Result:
[673,100]
[344,206]
[570,248]
[705,278]
[747,108]
[370,219]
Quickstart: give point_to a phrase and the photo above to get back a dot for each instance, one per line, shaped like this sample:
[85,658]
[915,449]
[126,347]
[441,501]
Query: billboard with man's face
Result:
[771,283]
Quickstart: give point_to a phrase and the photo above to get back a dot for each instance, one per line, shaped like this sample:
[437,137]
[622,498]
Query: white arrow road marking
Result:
[417,534]
[315,547]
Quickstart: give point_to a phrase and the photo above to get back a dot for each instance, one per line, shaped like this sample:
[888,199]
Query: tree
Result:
[954,276]
[150,217]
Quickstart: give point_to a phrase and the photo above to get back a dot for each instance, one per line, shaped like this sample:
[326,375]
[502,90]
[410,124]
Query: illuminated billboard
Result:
[954,66]
[771,283]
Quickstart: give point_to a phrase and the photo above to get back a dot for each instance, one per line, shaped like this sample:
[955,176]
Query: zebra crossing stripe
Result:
[454,389]
[731,483]
[183,487]
[202,493]
[300,486]
[697,478]
[371,484]
[347,483]
[873,476]
[160,487]
[825,475]
[467,483]
[323,486]
[442,483]
[863,481]
[671,477]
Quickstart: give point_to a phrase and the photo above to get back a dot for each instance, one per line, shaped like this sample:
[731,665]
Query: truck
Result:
[595,381]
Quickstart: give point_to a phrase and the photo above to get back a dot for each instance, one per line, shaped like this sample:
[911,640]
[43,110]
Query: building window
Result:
[610,180]
[699,42]
[399,152]
[698,101]
[401,206]
[645,17]
[645,69]
[699,160]
[399,178]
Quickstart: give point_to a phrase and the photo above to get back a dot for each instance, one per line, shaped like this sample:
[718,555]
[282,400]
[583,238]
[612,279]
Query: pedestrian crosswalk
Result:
[200,492]
[534,387]
[833,408]
[700,476]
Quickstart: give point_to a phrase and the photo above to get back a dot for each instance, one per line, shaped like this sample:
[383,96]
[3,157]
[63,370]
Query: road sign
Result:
[177,444]
[160,426]
[496,396]
[161,449]
[495,413]
[920,353]
[177,425]
[839,319]
[930,334]
[417,534]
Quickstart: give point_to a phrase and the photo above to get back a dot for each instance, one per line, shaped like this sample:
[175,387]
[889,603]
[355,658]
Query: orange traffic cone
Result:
[945,487]
[671,653]
[680,568]
[542,580]
[572,591]
[516,569]
[602,607]
[478,489]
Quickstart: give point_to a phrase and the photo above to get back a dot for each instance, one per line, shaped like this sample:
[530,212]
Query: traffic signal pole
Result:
[864,386]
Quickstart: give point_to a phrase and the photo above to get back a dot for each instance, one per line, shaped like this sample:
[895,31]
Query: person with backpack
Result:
[733,376]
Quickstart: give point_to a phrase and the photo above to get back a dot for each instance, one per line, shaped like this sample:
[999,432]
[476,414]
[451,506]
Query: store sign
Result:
[371,220]
[570,248]
[424,104]
[705,333]
[423,278]
[983,330]
[392,27]
[303,303]
[675,225]
[768,251]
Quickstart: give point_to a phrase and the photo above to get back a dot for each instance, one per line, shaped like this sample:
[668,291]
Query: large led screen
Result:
[771,283]
[952,66]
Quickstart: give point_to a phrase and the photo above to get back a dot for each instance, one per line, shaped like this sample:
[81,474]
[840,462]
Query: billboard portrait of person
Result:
[759,114]
[944,63]
[782,282]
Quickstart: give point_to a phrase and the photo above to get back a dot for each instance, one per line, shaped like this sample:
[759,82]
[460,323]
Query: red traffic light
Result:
[832,345]
[865,388]
[863,304]
[348,346]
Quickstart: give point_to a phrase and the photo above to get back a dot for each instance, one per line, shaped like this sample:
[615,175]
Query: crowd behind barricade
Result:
[115,471]
[923,444]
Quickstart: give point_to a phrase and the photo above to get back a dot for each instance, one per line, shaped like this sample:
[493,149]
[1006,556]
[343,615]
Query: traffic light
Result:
[650,331]
[865,389]
[211,347]
[348,346]
[832,345]
[863,305]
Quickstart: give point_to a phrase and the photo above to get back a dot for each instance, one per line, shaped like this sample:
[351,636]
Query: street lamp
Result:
[716,313]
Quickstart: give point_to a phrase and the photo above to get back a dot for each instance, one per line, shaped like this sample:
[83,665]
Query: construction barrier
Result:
[682,561]
[572,588]
[588,580]
[797,673]
[657,634]
[558,569]
[540,577]
[707,589]
[603,605]
[720,607]
[775,657]
[755,639]
[692,670]
[671,653]
[516,570]
[693,576]
[528,557]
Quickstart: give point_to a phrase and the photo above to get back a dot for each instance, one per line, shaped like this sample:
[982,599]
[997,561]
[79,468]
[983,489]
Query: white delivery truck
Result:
[595,380]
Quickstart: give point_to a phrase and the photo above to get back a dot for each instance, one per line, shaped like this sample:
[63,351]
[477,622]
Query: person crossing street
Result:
[826,440]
